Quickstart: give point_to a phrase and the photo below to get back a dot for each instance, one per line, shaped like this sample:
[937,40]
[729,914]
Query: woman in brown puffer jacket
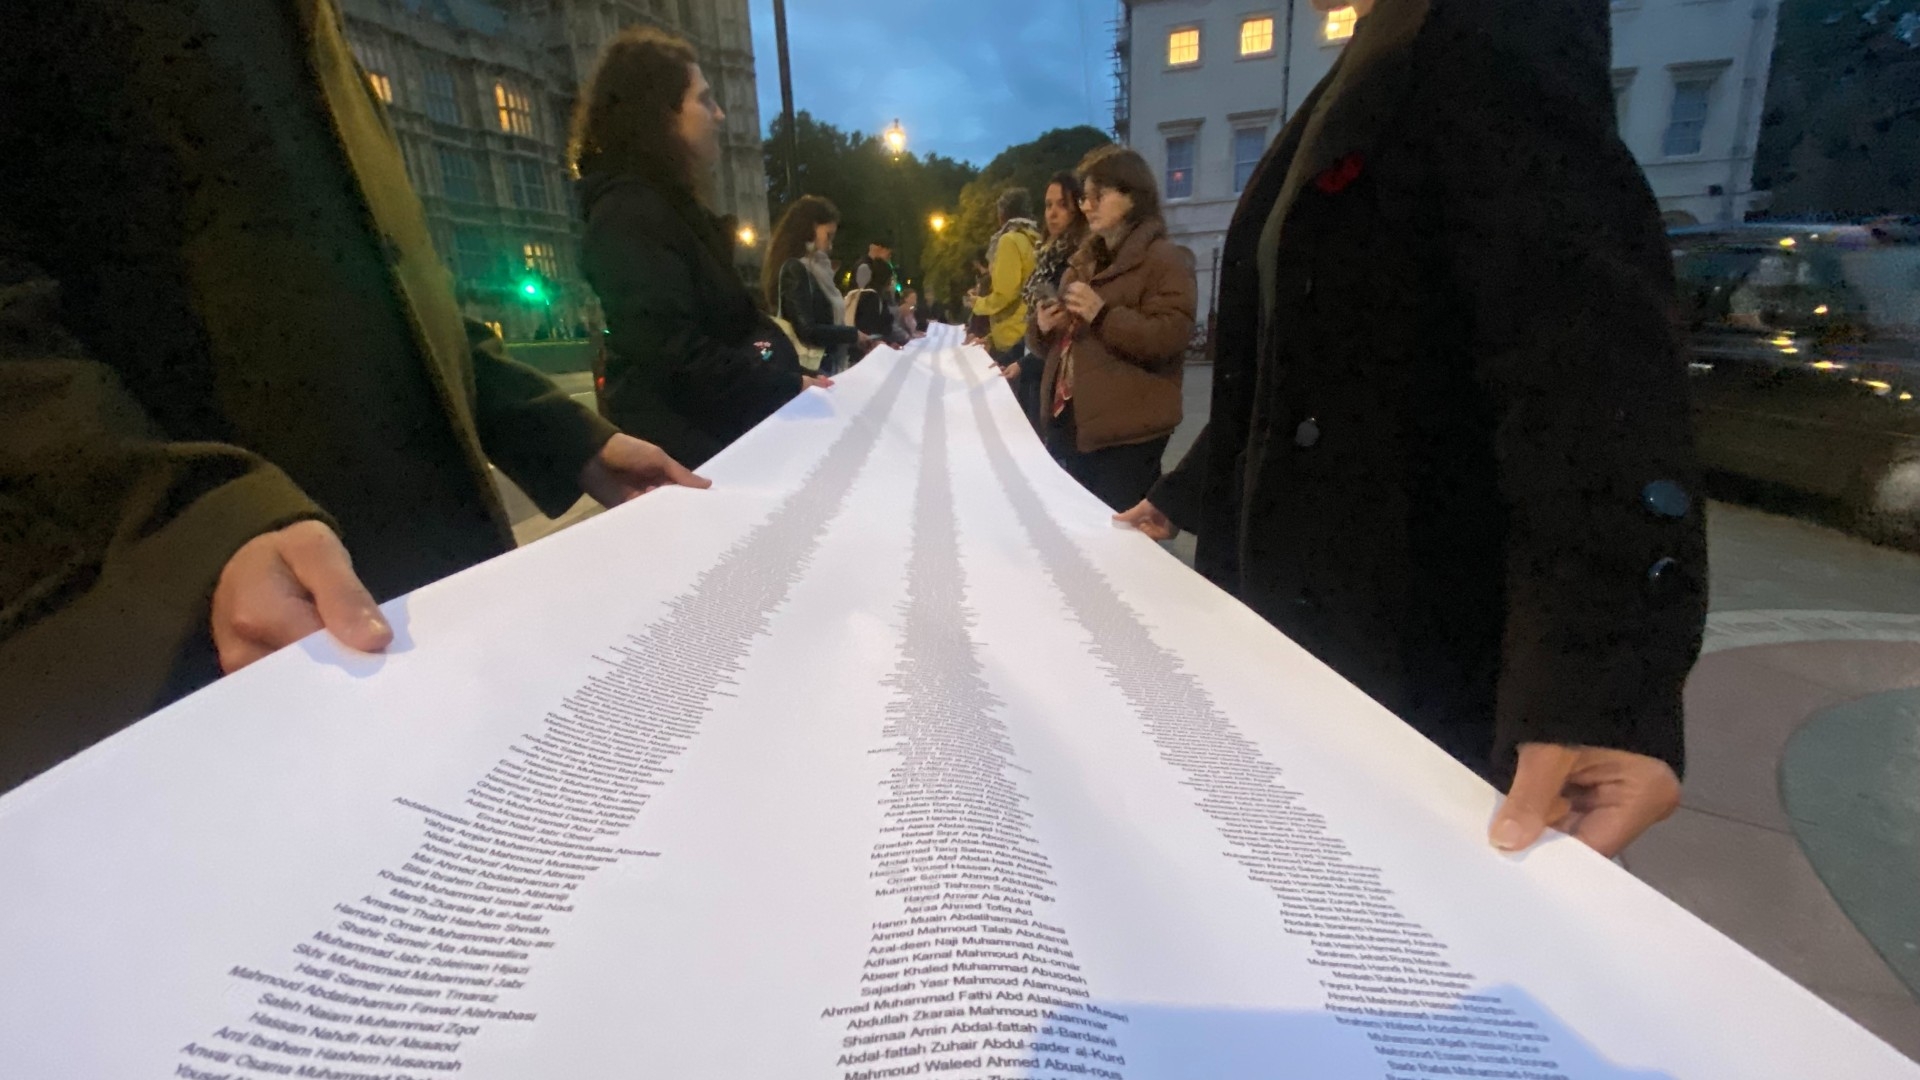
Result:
[1115,340]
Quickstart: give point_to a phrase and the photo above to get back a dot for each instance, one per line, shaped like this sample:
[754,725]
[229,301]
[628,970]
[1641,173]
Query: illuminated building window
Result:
[516,111]
[1180,167]
[1340,22]
[378,64]
[1183,47]
[1256,36]
[539,256]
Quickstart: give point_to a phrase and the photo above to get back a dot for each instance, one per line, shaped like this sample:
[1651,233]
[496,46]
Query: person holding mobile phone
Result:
[1114,341]
[1066,226]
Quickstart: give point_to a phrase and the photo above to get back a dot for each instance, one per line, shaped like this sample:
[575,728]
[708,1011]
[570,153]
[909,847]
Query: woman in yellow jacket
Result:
[1010,258]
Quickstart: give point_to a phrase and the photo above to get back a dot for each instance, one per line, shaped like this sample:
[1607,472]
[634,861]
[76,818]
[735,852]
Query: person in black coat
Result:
[798,282]
[878,286]
[692,361]
[1449,451]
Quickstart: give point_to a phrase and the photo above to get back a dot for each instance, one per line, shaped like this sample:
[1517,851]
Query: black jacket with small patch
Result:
[692,362]
[1449,451]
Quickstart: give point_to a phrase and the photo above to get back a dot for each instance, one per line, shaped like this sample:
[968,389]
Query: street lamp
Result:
[747,236]
[896,137]
[938,222]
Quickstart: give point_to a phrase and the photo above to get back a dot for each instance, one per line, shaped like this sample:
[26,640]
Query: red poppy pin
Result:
[1338,175]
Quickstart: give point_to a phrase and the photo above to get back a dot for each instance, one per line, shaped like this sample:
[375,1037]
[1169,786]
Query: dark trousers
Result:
[1026,385]
[1119,476]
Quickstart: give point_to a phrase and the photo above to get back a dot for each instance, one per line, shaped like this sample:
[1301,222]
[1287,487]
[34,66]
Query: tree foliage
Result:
[973,218]
[1841,132]
[877,195]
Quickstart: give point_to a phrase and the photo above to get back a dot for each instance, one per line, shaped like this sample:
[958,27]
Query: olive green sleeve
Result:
[112,538]
[538,435]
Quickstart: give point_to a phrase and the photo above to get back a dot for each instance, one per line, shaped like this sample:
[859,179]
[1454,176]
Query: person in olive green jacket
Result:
[237,399]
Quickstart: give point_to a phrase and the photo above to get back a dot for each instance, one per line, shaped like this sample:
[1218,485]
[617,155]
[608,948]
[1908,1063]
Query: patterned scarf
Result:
[1048,268]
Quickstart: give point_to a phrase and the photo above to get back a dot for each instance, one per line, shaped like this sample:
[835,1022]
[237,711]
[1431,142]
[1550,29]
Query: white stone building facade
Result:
[1205,86]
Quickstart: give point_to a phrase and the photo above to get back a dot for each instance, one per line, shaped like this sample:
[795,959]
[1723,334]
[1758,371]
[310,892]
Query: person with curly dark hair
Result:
[692,361]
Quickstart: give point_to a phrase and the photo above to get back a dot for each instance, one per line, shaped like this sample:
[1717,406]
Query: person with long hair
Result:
[1066,225]
[692,362]
[798,281]
[1115,339]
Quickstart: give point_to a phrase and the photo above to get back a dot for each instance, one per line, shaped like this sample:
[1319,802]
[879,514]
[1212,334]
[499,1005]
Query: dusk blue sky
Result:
[966,78]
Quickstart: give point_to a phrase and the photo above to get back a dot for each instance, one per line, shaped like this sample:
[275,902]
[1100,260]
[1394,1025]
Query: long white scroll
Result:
[887,757]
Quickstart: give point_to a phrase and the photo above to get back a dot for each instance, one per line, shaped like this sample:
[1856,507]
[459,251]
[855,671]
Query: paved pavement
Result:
[1803,739]
[1811,688]
[1796,660]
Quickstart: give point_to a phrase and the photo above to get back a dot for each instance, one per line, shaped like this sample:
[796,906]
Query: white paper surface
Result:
[888,756]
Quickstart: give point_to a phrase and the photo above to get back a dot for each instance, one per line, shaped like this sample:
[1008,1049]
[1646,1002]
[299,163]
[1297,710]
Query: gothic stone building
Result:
[480,93]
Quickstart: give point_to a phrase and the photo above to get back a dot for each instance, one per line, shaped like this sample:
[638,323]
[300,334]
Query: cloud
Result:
[965,78]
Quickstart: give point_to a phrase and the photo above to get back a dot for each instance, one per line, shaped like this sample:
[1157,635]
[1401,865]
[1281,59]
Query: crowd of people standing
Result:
[1424,460]
[238,400]
[1448,450]
[1091,319]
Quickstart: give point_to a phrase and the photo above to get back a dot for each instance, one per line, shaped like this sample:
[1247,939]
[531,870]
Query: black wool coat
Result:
[692,362]
[805,306]
[1449,450]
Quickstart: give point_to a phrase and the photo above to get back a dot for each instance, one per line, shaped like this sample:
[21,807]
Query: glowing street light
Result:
[896,137]
[938,222]
[747,236]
